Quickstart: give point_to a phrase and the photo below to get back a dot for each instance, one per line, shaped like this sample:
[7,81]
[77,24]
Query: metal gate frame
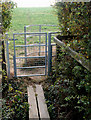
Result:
[39,30]
[14,57]
[49,45]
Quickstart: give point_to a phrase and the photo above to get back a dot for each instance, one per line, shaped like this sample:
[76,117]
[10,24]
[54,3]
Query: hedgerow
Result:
[14,98]
[68,97]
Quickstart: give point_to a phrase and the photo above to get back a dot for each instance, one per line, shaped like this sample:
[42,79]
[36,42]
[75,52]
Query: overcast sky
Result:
[34,3]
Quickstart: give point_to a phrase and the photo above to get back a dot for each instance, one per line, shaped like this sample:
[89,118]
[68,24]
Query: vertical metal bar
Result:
[39,40]
[25,44]
[45,53]
[14,58]
[49,54]
[57,55]
[7,52]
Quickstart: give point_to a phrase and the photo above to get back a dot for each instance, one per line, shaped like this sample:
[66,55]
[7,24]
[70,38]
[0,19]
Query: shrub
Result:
[69,95]
[15,102]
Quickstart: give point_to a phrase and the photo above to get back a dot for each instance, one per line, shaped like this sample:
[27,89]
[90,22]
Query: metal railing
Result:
[40,29]
[26,57]
[49,45]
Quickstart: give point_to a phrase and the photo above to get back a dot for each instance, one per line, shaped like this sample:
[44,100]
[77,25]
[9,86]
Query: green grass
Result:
[29,16]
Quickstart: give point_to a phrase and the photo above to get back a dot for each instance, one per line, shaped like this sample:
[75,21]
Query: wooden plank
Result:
[44,115]
[33,112]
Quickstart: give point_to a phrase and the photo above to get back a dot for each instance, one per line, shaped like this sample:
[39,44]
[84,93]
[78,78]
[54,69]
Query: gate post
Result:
[39,39]
[14,66]
[49,54]
[25,44]
[14,59]
[46,54]
[7,51]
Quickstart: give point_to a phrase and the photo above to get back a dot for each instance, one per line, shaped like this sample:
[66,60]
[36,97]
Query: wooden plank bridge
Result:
[37,105]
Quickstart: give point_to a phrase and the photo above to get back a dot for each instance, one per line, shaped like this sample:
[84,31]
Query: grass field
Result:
[29,16]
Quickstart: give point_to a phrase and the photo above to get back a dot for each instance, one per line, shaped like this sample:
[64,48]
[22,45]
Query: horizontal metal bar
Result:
[54,32]
[41,25]
[13,39]
[30,67]
[32,33]
[30,45]
[30,75]
[53,44]
[36,52]
[30,57]
[31,25]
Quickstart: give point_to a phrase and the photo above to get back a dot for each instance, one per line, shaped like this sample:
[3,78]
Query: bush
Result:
[69,95]
[15,102]
[74,19]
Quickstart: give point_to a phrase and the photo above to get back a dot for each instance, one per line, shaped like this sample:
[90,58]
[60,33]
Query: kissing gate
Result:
[32,52]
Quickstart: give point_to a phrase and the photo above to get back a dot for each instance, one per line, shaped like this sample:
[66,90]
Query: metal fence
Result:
[40,28]
[30,53]
[28,57]
[51,48]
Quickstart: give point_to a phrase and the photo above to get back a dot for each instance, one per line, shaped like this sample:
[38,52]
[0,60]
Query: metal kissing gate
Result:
[32,56]
[28,60]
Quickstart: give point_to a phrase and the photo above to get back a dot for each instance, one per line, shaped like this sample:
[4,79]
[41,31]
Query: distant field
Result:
[29,16]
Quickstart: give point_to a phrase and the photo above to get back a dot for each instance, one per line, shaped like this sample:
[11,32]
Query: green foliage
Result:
[15,102]
[69,96]
[7,8]
[74,19]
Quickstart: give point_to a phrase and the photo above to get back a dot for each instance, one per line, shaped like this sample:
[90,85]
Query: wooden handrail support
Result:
[37,106]
[77,56]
